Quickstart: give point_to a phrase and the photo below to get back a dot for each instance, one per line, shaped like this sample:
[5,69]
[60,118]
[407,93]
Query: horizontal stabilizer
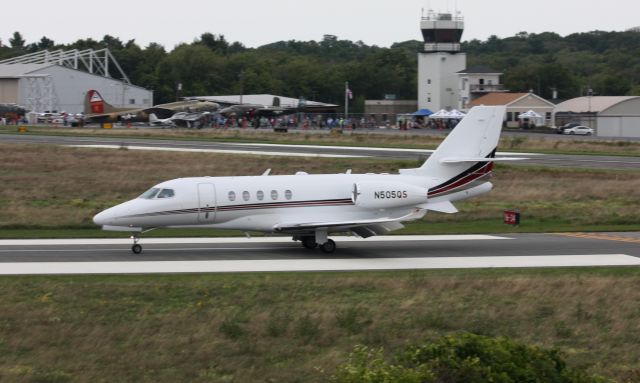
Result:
[453,160]
[441,206]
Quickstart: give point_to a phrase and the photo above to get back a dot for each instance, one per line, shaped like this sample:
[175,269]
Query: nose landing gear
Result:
[136,248]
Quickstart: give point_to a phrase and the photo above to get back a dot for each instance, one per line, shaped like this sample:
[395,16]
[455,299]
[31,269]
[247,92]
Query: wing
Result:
[364,228]
[160,112]
[192,117]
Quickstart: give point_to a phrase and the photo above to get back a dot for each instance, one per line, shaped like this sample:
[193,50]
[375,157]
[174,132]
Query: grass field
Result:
[544,143]
[283,327]
[49,188]
[298,327]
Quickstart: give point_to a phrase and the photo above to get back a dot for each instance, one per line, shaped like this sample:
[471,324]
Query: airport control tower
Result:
[440,61]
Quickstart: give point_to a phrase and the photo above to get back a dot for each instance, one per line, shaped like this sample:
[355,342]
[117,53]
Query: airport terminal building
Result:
[59,80]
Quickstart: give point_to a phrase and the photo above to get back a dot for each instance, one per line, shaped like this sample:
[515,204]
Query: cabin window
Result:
[260,195]
[165,193]
[232,196]
[149,193]
[288,194]
[274,195]
[246,195]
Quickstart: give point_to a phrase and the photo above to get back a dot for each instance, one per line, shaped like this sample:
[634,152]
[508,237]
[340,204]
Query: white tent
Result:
[532,116]
[440,114]
[456,114]
[529,114]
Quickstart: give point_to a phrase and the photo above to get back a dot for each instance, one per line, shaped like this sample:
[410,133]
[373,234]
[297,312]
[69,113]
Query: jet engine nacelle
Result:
[375,195]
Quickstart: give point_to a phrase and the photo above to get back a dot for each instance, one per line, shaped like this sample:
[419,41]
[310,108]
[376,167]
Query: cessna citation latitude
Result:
[310,207]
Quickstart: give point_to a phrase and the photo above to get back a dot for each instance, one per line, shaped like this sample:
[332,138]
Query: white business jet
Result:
[310,207]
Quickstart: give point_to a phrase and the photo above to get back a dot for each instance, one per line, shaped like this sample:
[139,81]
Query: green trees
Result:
[461,358]
[607,62]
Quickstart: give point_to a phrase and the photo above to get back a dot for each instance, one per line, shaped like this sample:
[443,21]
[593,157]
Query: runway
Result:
[215,255]
[551,160]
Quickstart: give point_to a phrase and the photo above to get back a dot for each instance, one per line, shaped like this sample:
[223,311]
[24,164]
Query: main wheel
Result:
[328,247]
[309,242]
[137,249]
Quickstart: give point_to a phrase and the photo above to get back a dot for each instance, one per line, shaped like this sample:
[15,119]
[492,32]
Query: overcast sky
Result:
[259,22]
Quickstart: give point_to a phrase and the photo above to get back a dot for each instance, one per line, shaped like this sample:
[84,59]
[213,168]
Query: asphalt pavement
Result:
[169,255]
[550,160]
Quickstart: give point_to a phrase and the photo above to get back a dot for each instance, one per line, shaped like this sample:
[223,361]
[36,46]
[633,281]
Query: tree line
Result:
[608,63]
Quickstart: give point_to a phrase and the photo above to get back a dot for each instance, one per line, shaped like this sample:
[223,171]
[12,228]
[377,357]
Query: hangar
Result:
[59,80]
[610,116]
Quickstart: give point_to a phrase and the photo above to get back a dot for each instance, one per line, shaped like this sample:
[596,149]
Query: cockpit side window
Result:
[166,193]
[149,194]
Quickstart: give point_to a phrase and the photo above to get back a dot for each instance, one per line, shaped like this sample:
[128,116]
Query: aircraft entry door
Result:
[206,203]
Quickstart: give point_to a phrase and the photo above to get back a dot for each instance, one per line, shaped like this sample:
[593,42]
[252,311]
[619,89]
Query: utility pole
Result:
[346,100]
[241,77]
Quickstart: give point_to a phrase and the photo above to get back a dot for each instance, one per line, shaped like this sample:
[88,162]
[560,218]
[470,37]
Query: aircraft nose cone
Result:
[103,218]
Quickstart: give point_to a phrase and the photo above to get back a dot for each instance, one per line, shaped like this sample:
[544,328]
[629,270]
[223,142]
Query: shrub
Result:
[462,358]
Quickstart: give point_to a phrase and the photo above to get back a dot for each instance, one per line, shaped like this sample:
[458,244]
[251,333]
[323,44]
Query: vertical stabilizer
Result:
[476,136]
[95,104]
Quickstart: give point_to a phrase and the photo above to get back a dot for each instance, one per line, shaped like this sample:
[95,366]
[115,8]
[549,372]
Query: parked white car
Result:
[580,129]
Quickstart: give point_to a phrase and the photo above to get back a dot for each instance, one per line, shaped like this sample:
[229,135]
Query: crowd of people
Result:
[325,122]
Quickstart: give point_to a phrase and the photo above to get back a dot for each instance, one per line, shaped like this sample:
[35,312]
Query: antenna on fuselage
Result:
[266,172]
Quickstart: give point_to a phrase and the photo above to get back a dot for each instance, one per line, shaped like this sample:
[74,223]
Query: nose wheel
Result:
[136,248]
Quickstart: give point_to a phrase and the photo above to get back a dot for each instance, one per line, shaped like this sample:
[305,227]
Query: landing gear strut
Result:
[136,248]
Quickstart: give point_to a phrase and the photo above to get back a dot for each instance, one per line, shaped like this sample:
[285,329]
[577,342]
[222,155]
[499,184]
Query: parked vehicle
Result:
[569,125]
[580,129]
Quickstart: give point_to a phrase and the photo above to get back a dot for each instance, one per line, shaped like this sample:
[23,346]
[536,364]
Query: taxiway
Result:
[551,160]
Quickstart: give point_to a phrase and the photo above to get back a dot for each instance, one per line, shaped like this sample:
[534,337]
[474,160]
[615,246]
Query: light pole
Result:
[589,94]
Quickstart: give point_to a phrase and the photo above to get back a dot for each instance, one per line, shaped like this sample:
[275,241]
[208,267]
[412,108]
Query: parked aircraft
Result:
[182,119]
[254,110]
[98,110]
[310,207]
[13,110]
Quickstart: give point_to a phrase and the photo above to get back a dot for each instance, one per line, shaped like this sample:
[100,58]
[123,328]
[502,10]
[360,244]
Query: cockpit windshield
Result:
[149,194]
[157,193]
[165,193]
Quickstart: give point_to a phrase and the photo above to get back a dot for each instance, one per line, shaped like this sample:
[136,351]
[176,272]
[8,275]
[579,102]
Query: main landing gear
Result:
[310,242]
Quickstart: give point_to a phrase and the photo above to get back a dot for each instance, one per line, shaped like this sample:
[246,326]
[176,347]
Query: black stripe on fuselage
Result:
[476,171]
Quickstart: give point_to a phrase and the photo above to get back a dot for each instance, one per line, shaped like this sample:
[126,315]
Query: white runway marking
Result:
[37,268]
[268,153]
[243,240]
[224,151]
[368,148]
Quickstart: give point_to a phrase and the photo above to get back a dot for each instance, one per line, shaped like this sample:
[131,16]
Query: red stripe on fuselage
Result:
[483,171]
